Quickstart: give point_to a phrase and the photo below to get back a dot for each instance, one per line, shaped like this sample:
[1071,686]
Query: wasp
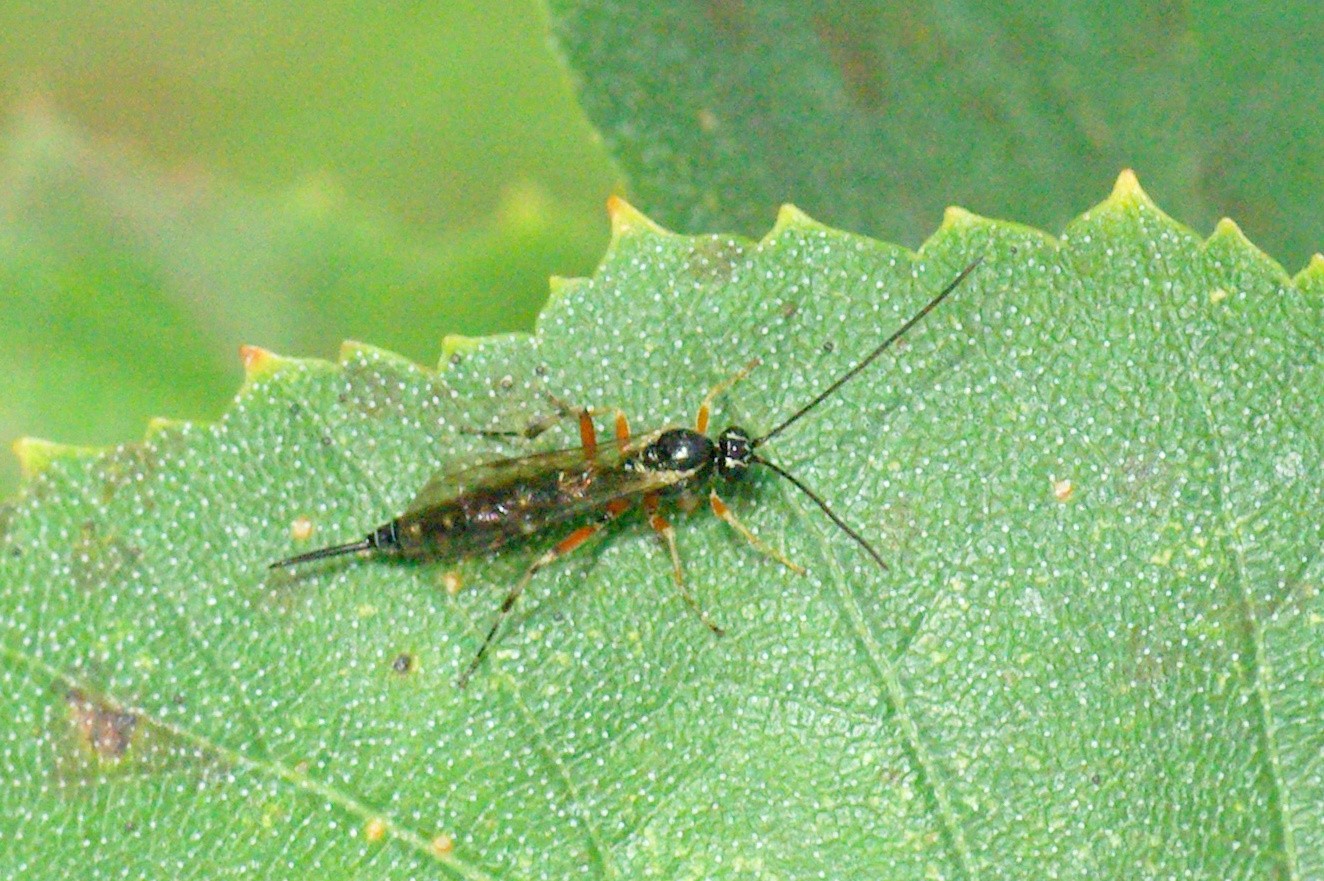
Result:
[483,508]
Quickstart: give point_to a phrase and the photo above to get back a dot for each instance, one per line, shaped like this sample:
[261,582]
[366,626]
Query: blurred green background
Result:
[178,179]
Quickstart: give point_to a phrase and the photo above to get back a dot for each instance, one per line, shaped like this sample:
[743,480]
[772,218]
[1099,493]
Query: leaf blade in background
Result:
[1090,472]
[868,114]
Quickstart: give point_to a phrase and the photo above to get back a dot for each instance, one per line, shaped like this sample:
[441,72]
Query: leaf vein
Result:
[35,666]
[894,696]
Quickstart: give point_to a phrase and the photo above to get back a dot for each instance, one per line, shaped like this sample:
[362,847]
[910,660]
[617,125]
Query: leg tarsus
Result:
[563,547]
[667,533]
[727,516]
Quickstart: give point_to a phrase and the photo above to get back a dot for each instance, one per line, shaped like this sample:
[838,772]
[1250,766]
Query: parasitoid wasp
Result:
[482,508]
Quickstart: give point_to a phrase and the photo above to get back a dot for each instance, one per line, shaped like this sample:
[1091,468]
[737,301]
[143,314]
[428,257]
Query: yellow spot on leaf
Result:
[301,529]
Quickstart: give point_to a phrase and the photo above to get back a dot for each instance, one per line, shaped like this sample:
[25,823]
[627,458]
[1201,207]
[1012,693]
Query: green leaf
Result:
[1097,653]
[868,113]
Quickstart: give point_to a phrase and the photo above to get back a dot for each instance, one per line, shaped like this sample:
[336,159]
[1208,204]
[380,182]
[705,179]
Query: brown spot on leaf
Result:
[98,739]
[442,845]
[403,663]
[104,729]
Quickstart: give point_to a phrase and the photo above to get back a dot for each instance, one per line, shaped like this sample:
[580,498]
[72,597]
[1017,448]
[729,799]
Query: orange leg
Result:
[622,431]
[728,517]
[588,435]
[667,533]
[560,549]
[701,421]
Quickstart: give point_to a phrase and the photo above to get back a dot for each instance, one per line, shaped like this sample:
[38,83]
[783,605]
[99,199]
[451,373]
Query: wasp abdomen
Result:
[485,519]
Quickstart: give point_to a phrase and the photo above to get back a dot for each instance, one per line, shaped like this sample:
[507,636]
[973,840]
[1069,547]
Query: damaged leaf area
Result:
[1094,473]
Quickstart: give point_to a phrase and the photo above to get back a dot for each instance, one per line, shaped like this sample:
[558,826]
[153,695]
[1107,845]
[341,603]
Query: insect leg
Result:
[588,435]
[622,430]
[728,516]
[559,550]
[701,421]
[667,533]
[535,427]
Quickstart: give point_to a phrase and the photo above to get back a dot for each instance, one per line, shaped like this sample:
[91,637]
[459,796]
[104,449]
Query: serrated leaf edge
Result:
[1127,197]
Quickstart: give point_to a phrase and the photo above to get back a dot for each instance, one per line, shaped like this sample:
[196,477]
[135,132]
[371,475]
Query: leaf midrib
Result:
[894,696]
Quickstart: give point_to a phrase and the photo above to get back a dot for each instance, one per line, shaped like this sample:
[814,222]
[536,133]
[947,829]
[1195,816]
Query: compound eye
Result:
[735,452]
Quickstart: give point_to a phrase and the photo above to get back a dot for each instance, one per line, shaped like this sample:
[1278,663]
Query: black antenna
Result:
[877,558]
[850,374]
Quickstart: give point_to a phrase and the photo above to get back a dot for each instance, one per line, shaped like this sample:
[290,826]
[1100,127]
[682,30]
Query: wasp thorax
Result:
[679,449]
[735,452]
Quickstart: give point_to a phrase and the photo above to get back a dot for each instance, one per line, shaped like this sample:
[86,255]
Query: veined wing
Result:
[567,480]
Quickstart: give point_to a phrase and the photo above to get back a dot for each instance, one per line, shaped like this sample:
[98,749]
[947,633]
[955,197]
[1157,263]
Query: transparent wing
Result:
[555,485]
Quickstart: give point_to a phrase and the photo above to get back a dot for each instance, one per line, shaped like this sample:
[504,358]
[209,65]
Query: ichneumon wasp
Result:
[482,508]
